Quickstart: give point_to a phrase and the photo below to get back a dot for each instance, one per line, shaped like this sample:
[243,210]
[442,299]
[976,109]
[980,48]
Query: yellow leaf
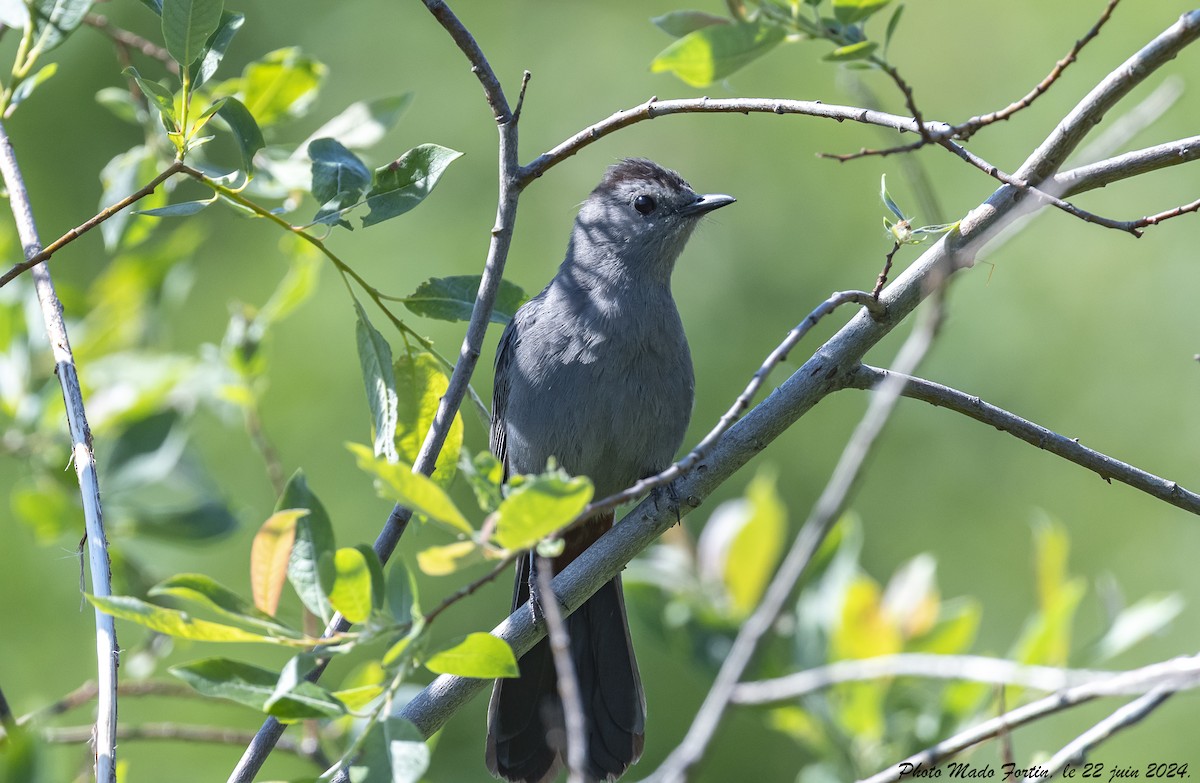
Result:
[269,557]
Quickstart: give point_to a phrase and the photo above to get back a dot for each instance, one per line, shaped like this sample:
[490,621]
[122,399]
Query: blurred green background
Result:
[1084,330]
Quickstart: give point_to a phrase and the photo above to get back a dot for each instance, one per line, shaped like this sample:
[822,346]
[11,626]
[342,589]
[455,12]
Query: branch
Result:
[1127,715]
[74,735]
[973,668]
[564,668]
[655,108]
[1069,449]
[89,224]
[84,458]
[965,130]
[127,40]
[1174,675]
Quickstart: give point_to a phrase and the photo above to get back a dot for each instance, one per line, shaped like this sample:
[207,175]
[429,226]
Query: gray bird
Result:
[595,372]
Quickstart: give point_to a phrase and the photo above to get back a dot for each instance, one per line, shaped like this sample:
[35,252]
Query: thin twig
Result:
[1069,449]
[965,130]
[83,457]
[881,281]
[88,691]
[132,41]
[654,108]
[1075,751]
[469,589]
[564,669]
[89,224]
[972,668]
[820,521]
[1174,675]
[266,449]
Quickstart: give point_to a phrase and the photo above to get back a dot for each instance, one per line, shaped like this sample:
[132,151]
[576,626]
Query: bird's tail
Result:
[526,739]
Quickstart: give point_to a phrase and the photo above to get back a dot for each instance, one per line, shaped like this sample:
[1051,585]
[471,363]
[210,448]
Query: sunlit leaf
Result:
[954,631]
[852,11]
[398,483]
[407,751]
[173,623]
[379,379]
[421,382]
[282,84]
[215,47]
[911,598]
[446,559]
[711,53]
[478,655]
[865,630]
[1143,619]
[269,555]
[453,299]
[403,184]
[27,86]
[205,592]
[538,506]
[742,543]
[351,591]
[485,474]
[182,209]
[53,21]
[855,51]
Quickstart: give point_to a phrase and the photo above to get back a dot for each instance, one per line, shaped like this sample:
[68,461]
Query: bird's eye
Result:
[644,204]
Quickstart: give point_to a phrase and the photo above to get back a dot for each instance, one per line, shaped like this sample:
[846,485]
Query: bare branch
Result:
[1130,164]
[83,457]
[74,735]
[655,108]
[1122,718]
[124,39]
[965,130]
[1069,449]
[1174,675]
[973,668]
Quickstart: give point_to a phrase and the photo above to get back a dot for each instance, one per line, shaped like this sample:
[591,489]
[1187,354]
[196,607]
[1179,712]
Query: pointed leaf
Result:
[254,686]
[445,560]
[478,655]
[351,591]
[853,11]
[375,359]
[405,183]
[27,86]
[173,623]
[855,51]
[182,209]
[314,540]
[421,382]
[679,23]
[215,47]
[162,98]
[339,179]
[187,25]
[54,20]
[282,84]
[712,53]
[453,298]
[269,555]
[398,483]
[205,592]
[245,129]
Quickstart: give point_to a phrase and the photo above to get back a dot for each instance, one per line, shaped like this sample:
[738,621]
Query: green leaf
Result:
[254,687]
[173,623]
[891,28]
[887,199]
[375,360]
[477,655]
[181,209]
[679,23]
[954,632]
[162,98]
[445,560]
[453,298]
[351,592]
[121,103]
[1144,619]
[405,183]
[314,540]
[282,84]
[27,86]
[421,382]
[269,555]
[205,592]
[187,25]
[855,51]
[54,20]
[407,751]
[215,47]
[398,483]
[539,505]
[742,543]
[401,590]
[362,124]
[852,11]
[245,129]
[712,53]
[339,179]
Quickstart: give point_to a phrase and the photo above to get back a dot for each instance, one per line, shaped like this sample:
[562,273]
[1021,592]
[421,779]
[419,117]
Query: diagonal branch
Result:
[82,455]
[1069,449]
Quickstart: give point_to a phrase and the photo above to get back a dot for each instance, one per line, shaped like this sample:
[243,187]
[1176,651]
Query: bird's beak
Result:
[707,203]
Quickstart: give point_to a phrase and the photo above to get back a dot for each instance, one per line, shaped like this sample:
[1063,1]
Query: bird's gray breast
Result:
[603,385]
